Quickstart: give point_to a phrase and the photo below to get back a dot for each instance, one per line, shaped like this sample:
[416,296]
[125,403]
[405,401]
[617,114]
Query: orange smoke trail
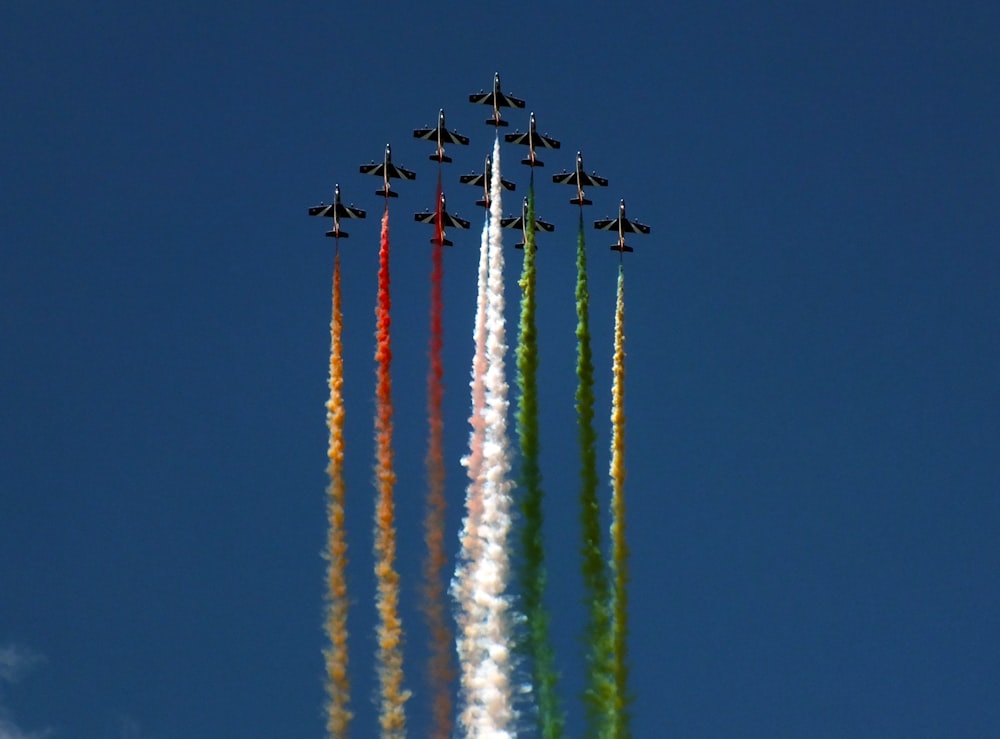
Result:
[619,547]
[392,715]
[338,686]
[440,667]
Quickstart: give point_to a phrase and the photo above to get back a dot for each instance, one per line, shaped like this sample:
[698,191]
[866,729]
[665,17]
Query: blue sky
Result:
[813,438]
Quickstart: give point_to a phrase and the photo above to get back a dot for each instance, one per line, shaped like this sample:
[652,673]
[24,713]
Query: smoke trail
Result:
[471,612]
[619,548]
[392,715]
[538,646]
[338,686]
[489,712]
[600,690]
[440,666]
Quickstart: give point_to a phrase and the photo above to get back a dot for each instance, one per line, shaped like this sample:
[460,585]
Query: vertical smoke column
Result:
[487,689]
[440,664]
[619,548]
[338,687]
[600,690]
[392,716]
[470,613]
[538,646]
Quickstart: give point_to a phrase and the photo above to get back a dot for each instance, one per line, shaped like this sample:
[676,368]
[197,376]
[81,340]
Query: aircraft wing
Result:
[400,172]
[349,211]
[608,224]
[545,142]
[479,179]
[565,178]
[544,225]
[592,180]
[634,227]
[518,138]
[453,221]
[501,100]
[512,222]
[321,210]
[375,169]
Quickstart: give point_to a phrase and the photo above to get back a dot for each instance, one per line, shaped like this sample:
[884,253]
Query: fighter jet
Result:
[387,170]
[579,178]
[532,138]
[336,212]
[442,136]
[520,221]
[484,181]
[498,100]
[447,221]
[624,226]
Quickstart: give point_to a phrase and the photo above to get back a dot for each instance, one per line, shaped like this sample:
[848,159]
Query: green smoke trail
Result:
[619,546]
[599,696]
[538,645]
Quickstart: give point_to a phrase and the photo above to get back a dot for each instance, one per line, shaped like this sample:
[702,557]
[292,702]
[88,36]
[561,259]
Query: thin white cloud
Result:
[16,661]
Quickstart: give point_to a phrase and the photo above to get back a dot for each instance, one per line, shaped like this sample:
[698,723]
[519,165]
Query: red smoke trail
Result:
[440,667]
[392,715]
[337,684]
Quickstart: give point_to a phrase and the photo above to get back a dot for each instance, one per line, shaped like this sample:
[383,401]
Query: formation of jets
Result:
[440,135]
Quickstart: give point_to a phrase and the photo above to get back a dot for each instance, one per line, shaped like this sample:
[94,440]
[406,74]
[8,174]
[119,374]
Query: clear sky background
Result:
[813,327]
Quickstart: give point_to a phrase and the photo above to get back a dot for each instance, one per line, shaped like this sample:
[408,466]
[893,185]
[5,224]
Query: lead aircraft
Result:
[498,100]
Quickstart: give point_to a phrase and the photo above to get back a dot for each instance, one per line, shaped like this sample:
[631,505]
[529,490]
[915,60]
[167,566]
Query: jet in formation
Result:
[521,223]
[447,221]
[441,136]
[533,139]
[579,178]
[484,180]
[336,212]
[622,225]
[498,100]
[387,170]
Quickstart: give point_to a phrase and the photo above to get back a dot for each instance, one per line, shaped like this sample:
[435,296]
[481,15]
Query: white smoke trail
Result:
[471,612]
[488,708]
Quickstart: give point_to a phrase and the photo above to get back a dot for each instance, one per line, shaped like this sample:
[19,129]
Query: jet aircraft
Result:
[336,212]
[387,170]
[622,225]
[579,178]
[484,181]
[441,136]
[447,221]
[533,139]
[498,100]
[520,221]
